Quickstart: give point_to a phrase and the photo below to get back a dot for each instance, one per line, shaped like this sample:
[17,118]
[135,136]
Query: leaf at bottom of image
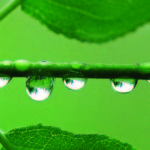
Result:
[39,137]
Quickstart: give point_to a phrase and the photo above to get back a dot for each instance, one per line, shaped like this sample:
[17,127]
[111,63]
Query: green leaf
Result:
[40,137]
[90,20]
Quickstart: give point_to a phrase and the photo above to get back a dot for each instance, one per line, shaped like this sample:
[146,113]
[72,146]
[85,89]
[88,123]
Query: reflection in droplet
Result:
[39,88]
[74,83]
[123,85]
[4,81]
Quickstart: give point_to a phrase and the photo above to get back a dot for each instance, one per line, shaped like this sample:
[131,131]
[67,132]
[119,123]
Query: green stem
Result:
[23,68]
[5,142]
[9,7]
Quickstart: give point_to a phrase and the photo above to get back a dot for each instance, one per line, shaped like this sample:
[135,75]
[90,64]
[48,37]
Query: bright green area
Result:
[22,65]
[92,21]
[96,108]
[40,137]
[75,65]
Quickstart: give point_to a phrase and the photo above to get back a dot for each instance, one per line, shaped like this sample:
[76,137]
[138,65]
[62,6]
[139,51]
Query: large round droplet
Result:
[4,81]
[123,85]
[74,83]
[39,88]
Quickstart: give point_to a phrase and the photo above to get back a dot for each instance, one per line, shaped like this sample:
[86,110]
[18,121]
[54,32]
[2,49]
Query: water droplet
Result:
[39,87]
[123,85]
[44,62]
[22,65]
[4,81]
[74,83]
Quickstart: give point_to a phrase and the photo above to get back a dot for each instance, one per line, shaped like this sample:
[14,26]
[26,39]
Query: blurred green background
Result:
[96,108]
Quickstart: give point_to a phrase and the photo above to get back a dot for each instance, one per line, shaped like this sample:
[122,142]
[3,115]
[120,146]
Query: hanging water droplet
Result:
[4,81]
[74,83]
[39,87]
[123,85]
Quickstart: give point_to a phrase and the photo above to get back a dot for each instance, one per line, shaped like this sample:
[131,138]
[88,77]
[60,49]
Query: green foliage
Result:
[90,20]
[40,137]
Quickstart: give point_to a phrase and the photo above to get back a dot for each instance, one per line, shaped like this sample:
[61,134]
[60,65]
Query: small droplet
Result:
[39,87]
[74,83]
[123,85]
[43,62]
[22,65]
[4,81]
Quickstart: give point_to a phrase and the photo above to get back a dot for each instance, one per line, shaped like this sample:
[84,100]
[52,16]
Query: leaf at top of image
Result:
[90,20]
[41,137]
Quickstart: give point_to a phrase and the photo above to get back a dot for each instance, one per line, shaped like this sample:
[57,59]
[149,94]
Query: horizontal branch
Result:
[9,8]
[23,68]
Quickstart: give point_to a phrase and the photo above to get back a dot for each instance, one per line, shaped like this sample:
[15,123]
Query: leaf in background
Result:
[51,138]
[90,20]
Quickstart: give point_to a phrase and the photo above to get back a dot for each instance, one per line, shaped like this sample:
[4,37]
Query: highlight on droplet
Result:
[123,85]
[74,83]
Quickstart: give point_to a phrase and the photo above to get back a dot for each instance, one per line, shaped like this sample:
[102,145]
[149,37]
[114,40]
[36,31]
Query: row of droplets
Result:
[40,87]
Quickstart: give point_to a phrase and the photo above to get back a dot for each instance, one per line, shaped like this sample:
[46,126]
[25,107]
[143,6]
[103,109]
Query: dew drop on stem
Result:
[39,87]
[4,81]
[74,83]
[123,85]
